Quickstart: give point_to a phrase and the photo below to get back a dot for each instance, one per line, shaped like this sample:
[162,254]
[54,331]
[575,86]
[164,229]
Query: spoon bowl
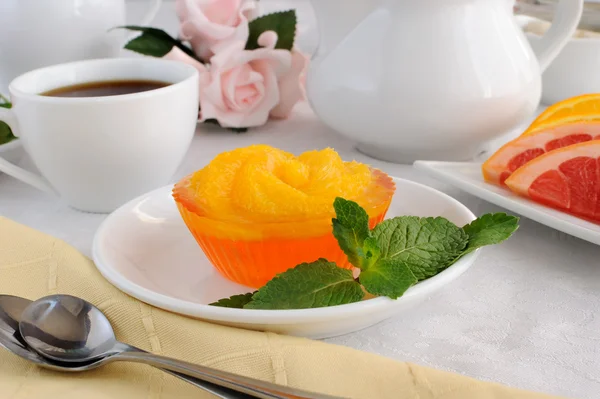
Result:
[67,329]
[11,308]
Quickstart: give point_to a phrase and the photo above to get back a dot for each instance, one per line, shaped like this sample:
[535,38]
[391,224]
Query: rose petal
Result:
[177,54]
[290,86]
[229,82]
[223,12]
[243,88]
[268,39]
[270,98]
[280,60]
[209,25]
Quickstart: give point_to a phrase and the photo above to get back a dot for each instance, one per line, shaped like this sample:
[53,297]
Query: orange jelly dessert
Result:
[258,211]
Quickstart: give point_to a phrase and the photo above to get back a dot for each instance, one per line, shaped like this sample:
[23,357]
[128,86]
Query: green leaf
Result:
[6,134]
[490,229]
[5,102]
[238,129]
[350,228]
[308,285]
[283,23]
[233,129]
[155,42]
[369,253]
[387,277]
[236,301]
[426,245]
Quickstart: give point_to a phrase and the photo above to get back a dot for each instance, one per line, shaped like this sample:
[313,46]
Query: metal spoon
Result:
[11,308]
[71,330]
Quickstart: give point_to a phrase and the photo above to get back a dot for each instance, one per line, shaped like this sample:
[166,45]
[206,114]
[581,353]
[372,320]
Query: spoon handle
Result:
[245,385]
[220,392]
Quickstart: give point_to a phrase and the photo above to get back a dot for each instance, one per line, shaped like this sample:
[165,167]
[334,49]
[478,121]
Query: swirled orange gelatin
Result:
[258,211]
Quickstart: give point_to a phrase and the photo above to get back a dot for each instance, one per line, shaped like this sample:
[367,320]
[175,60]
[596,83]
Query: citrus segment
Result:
[523,149]
[260,183]
[567,179]
[576,109]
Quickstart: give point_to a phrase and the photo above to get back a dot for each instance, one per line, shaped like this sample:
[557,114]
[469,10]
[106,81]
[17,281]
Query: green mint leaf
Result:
[490,229]
[155,42]
[387,277]
[350,228]
[369,253]
[283,23]
[426,245]
[236,301]
[308,285]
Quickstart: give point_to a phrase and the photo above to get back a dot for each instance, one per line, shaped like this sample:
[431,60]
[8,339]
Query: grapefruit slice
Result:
[523,149]
[567,179]
[576,109]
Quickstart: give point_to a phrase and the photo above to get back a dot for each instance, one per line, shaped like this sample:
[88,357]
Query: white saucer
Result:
[468,177]
[145,249]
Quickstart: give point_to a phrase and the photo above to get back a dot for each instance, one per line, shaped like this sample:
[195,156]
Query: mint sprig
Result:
[235,301]
[426,245]
[351,228]
[387,277]
[395,255]
[489,229]
[309,285]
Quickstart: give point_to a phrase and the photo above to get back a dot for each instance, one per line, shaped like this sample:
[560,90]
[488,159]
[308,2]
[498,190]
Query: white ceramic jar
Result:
[428,79]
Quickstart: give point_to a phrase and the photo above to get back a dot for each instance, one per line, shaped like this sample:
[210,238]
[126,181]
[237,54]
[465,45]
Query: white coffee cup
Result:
[99,152]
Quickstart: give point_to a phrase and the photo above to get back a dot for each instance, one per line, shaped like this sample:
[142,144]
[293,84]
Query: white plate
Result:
[467,176]
[145,249]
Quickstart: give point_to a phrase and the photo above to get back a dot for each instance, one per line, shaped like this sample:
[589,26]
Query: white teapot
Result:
[428,79]
[37,33]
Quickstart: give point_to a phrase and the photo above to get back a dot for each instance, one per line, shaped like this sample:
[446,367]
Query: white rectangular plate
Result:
[467,176]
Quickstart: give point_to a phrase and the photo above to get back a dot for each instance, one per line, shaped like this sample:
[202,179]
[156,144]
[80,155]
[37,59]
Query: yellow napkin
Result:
[33,265]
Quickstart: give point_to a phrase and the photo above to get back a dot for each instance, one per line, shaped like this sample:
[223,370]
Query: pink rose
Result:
[291,86]
[241,87]
[178,55]
[210,24]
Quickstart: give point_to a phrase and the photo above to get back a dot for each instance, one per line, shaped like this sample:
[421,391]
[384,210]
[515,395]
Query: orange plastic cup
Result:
[251,254]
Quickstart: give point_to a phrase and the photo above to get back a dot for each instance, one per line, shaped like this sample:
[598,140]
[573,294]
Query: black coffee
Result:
[107,88]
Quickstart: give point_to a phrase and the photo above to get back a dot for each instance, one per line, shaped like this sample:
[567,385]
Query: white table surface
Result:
[526,314]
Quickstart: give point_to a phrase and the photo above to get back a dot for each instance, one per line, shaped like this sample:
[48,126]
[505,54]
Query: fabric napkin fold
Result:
[34,265]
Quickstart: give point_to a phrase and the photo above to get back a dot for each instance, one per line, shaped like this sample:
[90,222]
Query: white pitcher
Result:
[428,79]
[38,33]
